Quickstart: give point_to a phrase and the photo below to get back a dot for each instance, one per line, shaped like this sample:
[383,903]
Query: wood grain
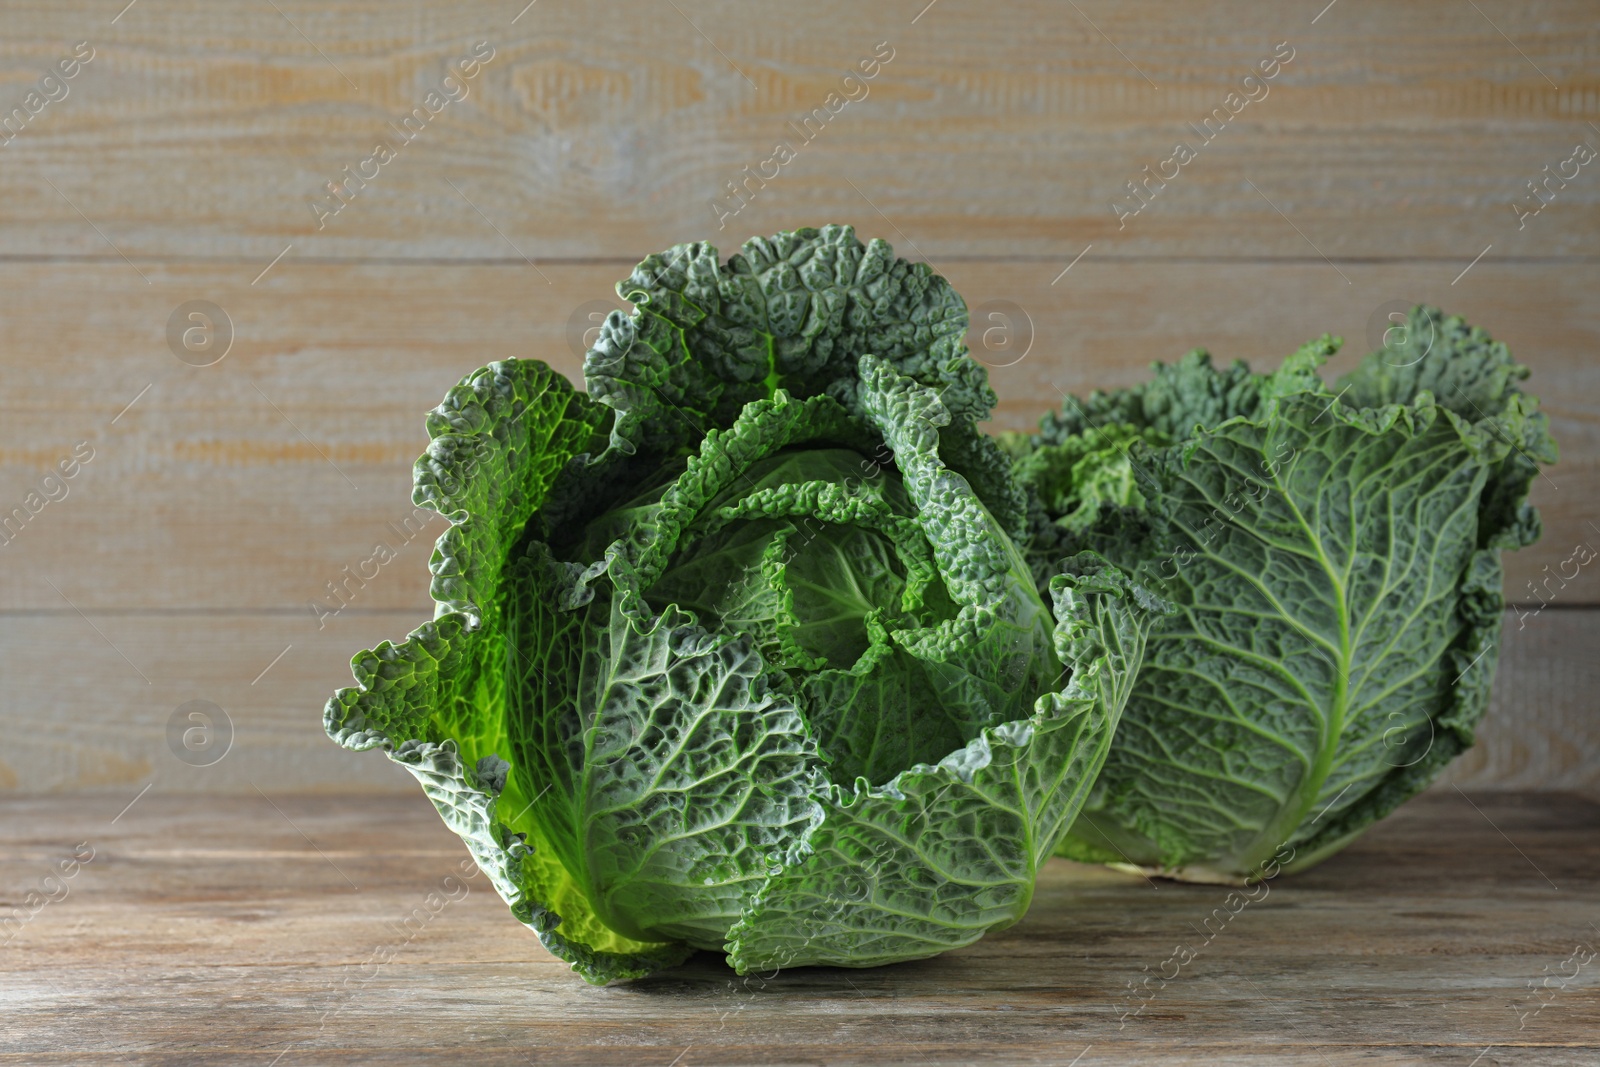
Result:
[222,501]
[245,930]
[1396,131]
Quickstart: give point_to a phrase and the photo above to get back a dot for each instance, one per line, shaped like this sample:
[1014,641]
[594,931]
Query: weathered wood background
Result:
[182,162]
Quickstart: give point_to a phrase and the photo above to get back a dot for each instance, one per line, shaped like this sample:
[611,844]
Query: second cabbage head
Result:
[1333,553]
[738,650]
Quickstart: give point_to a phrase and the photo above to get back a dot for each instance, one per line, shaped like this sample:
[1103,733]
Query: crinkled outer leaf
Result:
[1477,379]
[469,808]
[437,702]
[1336,567]
[795,311]
[942,854]
[1180,396]
[765,559]
[666,775]
[1184,397]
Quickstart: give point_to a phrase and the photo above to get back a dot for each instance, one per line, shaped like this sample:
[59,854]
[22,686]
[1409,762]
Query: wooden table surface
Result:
[252,930]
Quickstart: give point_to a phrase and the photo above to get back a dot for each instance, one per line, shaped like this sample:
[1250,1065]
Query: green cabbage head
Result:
[737,650]
[1333,553]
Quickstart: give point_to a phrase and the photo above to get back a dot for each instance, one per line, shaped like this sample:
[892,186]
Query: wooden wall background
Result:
[180,165]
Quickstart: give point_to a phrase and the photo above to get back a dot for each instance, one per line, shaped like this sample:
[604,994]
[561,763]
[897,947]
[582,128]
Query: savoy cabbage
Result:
[1334,557]
[738,649]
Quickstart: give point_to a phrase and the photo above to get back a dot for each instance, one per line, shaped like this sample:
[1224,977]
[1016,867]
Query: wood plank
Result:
[253,483]
[80,714]
[209,128]
[100,702]
[244,929]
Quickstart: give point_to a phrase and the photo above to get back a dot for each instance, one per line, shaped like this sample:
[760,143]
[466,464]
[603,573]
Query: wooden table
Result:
[231,929]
